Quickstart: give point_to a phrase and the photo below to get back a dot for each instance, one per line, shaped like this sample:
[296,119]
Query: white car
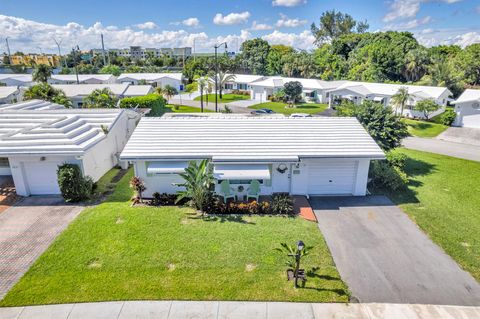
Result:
[300,115]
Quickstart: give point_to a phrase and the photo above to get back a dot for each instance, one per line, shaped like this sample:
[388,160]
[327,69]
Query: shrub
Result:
[396,159]
[241,92]
[74,187]
[385,176]
[163,199]
[281,204]
[448,117]
[154,102]
[192,87]
[136,183]
[346,109]
[254,207]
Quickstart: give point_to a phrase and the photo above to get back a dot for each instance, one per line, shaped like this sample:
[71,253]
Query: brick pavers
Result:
[26,231]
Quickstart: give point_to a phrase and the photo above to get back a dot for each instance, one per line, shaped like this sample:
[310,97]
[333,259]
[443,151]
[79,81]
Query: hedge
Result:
[151,101]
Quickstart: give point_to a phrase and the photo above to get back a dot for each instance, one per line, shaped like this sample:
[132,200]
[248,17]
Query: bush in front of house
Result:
[383,175]
[448,117]
[163,199]
[396,159]
[154,102]
[281,204]
[74,187]
[241,92]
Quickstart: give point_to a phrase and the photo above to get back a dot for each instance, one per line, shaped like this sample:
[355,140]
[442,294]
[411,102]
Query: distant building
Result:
[139,53]
[33,59]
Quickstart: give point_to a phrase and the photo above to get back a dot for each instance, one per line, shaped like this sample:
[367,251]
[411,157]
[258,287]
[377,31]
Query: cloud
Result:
[404,9]
[286,22]
[146,26]
[411,24]
[260,26]
[231,18]
[288,3]
[191,22]
[303,40]
[461,37]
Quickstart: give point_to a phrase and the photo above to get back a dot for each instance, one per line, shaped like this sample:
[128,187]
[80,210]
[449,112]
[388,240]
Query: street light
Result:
[216,72]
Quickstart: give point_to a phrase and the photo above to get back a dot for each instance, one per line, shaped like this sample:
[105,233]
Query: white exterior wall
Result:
[12,98]
[172,82]
[156,183]
[467,115]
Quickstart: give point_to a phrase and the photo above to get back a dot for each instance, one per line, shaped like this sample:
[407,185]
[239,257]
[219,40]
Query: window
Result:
[228,86]
[240,181]
[242,86]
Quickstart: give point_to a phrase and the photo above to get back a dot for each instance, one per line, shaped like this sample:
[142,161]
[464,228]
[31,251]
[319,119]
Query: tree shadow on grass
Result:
[222,218]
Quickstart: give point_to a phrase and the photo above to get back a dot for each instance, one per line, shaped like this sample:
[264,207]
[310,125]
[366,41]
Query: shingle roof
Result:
[65,132]
[249,139]
[469,95]
[38,105]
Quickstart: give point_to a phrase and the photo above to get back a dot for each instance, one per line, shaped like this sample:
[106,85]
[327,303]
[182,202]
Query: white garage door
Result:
[41,177]
[471,121]
[332,177]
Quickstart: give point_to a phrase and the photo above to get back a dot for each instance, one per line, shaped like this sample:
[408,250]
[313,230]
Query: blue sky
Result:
[31,25]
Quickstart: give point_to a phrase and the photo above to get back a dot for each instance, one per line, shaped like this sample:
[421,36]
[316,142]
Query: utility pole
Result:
[216,73]
[60,52]
[103,51]
[8,50]
[75,61]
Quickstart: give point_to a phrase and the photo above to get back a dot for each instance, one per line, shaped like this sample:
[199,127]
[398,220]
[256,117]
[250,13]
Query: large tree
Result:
[276,58]
[469,63]
[254,55]
[110,69]
[42,73]
[334,24]
[46,92]
[293,91]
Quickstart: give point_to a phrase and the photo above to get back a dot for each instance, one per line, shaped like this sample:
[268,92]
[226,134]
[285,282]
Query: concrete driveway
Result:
[464,135]
[26,231]
[384,257]
[460,150]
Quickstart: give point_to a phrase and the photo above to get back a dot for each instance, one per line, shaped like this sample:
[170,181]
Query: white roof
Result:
[17,76]
[62,132]
[81,77]
[72,90]
[6,91]
[38,105]
[246,78]
[469,95]
[138,90]
[257,139]
[279,81]
[149,76]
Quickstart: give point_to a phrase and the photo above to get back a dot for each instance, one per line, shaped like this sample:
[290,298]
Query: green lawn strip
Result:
[278,107]
[117,252]
[423,128]
[442,198]
[184,109]
[105,180]
[226,98]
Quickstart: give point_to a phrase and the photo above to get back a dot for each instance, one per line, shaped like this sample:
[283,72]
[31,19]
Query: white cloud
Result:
[191,22]
[146,26]
[286,22]
[231,18]
[260,26]
[404,9]
[303,40]
[288,3]
[461,37]
[411,24]
[467,38]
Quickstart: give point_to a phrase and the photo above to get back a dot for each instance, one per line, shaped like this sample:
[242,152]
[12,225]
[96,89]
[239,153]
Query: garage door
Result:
[471,121]
[332,178]
[41,177]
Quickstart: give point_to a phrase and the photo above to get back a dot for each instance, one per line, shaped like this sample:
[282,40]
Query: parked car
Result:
[262,111]
[300,115]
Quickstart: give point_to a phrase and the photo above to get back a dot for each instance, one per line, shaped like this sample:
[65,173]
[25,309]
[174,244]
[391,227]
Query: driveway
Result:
[26,231]
[464,135]
[460,150]
[244,103]
[384,257]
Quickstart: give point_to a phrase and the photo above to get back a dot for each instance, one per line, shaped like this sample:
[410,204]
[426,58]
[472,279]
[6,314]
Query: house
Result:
[33,143]
[306,156]
[82,79]
[31,105]
[241,82]
[9,94]
[383,92]
[467,107]
[77,92]
[155,79]
[18,79]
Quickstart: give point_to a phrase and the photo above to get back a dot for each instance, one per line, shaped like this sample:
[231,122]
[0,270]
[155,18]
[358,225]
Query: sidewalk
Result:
[236,310]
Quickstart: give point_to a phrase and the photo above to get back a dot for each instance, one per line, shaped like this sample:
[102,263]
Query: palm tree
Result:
[46,92]
[167,91]
[202,82]
[222,78]
[416,62]
[401,98]
[42,73]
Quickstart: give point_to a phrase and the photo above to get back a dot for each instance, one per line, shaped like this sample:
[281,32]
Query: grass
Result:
[423,128]
[117,252]
[442,198]
[169,108]
[104,184]
[226,98]
[278,107]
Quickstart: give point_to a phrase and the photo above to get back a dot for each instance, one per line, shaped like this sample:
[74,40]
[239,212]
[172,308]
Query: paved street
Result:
[384,257]
[460,150]
[26,231]
[210,106]
[236,310]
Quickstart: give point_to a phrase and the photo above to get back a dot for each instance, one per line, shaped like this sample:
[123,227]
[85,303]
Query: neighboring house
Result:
[31,105]
[306,156]
[34,143]
[241,82]
[82,78]
[383,92]
[155,79]
[467,107]
[18,80]
[9,94]
[77,92]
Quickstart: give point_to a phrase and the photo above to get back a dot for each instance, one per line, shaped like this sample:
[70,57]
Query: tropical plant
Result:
[46,92]
[282,204]
[101,98]
[137,184]
[42,73]
[74,187]
[400,99]
[167,91]
[290,251]
[197,183]
[293,91]
[202,83]
[426,107]
[222,78]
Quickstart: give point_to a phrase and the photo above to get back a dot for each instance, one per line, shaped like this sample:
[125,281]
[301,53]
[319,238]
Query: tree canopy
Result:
[333,24]
[46,92]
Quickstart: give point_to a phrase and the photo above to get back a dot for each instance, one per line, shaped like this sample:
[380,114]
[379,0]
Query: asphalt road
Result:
[460,150]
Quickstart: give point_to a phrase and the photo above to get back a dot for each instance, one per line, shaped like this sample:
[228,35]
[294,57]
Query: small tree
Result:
[198,181]
[426,107]
[202,83]
[167,92]
[222,78]
[401,98]
[293,92]
[42,73]
[101,98]
[137,184]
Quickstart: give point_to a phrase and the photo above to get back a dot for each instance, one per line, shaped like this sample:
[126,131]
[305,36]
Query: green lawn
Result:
[117,252]
[424,128]
[442,198]
[169,108]
[278,107]
[226,98]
